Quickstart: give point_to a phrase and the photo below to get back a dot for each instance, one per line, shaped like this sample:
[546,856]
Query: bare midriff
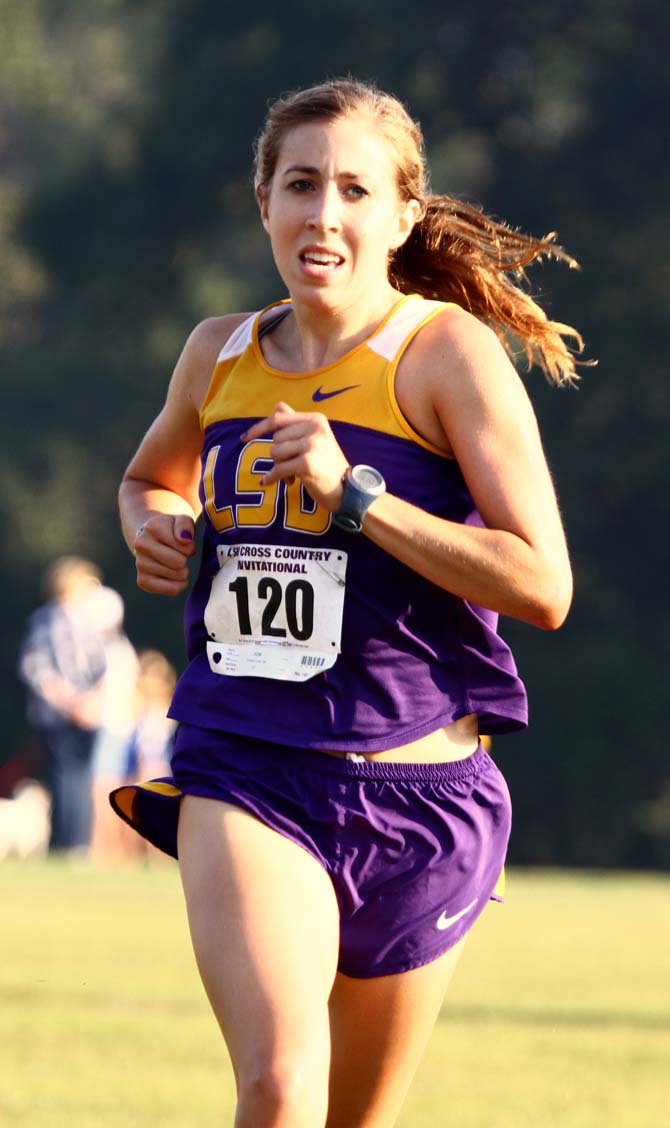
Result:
[456,741]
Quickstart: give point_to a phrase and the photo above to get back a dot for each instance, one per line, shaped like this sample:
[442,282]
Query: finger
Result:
[283,448]
[157,586]
[279,418]
[149,567]
[295,426]
[170,557]
[157,539]
[284,471]
[149,570]
[257,430]
[184,532]
[285,408]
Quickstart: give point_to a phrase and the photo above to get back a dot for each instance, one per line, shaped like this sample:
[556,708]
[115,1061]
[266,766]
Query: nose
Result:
[325,212]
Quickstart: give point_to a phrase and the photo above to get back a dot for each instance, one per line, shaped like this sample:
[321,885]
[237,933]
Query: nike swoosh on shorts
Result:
[446,922]
[318,395]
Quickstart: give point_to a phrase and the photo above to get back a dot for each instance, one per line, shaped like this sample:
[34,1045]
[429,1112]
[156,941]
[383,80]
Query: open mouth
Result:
[321,260]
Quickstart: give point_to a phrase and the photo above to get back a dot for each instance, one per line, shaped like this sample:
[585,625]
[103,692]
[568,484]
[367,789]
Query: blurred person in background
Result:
[62,661]
[149,750]
[135,740]
[118,708]
[374,493]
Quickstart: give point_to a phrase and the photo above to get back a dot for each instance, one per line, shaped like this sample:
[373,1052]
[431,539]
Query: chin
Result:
[316,296]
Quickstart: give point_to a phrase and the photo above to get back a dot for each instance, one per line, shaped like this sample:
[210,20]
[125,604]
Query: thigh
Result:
[379,1030]
[265,930]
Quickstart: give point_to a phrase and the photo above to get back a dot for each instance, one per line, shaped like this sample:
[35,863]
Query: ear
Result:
[410,213]
[263,197]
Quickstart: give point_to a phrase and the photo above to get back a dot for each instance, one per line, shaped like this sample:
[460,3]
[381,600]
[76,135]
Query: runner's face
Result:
[333,212]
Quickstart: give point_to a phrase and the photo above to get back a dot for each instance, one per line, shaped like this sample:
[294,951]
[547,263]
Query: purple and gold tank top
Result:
[298,632]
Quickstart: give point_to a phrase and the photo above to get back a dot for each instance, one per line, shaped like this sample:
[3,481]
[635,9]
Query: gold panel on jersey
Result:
[356,389]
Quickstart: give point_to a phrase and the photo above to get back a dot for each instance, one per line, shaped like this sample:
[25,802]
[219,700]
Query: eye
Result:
[357,191]
[301,185]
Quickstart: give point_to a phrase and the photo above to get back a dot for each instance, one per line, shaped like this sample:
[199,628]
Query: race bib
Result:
[275,611]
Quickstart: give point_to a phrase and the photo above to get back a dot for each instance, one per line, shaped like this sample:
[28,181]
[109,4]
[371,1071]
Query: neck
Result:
[315,338]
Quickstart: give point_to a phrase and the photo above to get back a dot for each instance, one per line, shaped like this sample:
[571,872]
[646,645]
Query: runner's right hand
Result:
[162,548]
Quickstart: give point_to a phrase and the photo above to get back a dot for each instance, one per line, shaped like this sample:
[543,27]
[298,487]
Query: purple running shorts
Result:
[414,851]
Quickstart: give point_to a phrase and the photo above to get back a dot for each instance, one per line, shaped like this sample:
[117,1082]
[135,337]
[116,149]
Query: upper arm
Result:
[169,454]
[491,427]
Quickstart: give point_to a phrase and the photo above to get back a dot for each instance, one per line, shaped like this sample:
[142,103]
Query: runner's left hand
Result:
[303,447]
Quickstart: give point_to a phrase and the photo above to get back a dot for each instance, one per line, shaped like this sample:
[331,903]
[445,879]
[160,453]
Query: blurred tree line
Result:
[126,215]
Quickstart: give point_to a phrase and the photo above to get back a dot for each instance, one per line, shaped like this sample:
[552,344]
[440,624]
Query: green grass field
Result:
[559,1015]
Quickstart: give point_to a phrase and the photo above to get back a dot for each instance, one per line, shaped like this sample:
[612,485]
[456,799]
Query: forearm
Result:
[492,568]
[140,500]
[56,691]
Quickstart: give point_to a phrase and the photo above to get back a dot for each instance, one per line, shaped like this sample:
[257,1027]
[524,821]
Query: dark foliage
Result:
[126,214]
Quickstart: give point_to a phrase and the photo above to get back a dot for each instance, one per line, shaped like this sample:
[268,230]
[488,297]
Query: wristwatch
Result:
[362,485]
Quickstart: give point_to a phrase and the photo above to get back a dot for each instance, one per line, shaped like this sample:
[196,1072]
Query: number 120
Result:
[298,599]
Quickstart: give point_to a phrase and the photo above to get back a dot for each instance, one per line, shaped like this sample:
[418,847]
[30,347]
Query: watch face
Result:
[366,477]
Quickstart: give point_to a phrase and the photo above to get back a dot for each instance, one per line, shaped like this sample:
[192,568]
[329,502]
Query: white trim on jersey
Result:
[239,340]
[399,328]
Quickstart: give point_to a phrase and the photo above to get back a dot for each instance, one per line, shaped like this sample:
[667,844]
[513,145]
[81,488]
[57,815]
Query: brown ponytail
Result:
[457,253]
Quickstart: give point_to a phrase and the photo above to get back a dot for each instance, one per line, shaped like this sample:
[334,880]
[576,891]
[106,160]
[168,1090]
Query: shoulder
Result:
[196,363]
[460,339]
[34,624]
[44,625]
[466,362]
[455,371]
[210,336]
[43,615]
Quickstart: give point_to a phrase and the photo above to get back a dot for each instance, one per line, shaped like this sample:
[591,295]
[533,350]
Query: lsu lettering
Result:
[258,505]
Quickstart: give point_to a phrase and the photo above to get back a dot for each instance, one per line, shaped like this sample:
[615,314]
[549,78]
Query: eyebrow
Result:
[311,170]
[301,168]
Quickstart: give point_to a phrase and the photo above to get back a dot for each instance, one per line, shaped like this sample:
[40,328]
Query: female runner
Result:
[374,492]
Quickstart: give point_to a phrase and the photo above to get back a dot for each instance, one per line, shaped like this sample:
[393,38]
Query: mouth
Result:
[316,259]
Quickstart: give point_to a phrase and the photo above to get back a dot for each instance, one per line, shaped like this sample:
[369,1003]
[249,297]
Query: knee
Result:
[283,1092]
